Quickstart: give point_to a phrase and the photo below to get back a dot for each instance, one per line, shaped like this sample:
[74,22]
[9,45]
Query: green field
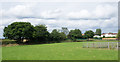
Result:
[57,51]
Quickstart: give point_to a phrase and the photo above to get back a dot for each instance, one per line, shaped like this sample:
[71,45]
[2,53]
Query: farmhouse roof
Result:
[110,33]
[82,34]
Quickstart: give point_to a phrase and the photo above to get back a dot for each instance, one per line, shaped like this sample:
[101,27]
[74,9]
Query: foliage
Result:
[97,38]
[75,34]
[57,36]
[63,36]
[8,41]
[40,33]
[65,30]
[118,35]
[110,37]
[19,31]
[89,34]
[84,37]
[98,32]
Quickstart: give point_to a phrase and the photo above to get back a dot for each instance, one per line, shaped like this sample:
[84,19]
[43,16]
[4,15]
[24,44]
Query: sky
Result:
[73,15]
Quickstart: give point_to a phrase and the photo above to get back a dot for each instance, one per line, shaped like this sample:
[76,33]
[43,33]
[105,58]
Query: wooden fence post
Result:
[108,44]
[87,45]
[117,45]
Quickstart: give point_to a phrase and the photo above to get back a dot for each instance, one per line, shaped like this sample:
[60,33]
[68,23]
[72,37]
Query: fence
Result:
[111,45]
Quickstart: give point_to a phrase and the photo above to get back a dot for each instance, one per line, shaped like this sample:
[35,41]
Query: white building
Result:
[97,36]
[107,35]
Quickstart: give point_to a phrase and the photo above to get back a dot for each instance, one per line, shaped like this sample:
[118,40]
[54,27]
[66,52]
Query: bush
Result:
[110,37]
[95,38]
[103,36]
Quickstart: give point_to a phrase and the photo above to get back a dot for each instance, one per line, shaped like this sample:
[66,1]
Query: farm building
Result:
[82,34]
[97,36]
[107,35]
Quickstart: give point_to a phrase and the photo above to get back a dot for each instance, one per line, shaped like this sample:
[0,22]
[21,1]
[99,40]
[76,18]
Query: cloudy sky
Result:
[73,15]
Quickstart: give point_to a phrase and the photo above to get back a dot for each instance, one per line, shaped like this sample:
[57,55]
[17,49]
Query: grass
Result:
[4,40]
[57,51]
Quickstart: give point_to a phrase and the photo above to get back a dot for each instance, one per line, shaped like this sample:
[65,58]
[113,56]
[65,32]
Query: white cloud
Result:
[59,0]
[28,10]
[101,11]
[81,14]
[57,18]
[111,23]
[106,25]
[51,13]
[105,11]
[18,11]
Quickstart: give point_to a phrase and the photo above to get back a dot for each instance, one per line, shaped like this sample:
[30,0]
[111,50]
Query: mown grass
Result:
[57,51]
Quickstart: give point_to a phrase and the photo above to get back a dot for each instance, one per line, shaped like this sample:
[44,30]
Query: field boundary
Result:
[109,45]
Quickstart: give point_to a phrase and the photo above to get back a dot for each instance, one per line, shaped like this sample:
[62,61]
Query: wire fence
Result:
[111,45]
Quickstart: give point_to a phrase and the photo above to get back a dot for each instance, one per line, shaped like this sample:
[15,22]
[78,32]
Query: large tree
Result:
[98,32]
[89,34]
[19,31]
[40,33]
[57,36]
[75,34]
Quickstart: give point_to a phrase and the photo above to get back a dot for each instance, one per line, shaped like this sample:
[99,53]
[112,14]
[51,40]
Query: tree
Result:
[65,30]
[84,37]
[40,33]
[89,34]
[63,36]
[57,36]
[118,35]
[75,34]
[98,32]
[19,31]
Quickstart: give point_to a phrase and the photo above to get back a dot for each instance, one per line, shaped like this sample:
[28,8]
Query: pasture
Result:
[58,51]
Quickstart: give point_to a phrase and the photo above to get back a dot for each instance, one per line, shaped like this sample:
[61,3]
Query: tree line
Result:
[25,30]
